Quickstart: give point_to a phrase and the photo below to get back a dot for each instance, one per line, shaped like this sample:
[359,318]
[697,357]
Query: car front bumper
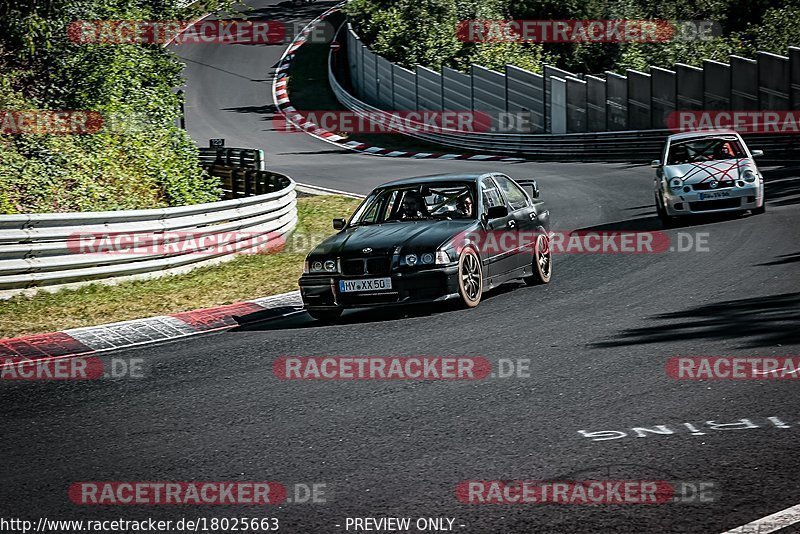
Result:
[714,201]
[320,292]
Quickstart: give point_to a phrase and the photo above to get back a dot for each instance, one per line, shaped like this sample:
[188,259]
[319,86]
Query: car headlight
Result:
[676,183]
[427,258]
[749,176]
[318,266]
[411,260]
[442,257]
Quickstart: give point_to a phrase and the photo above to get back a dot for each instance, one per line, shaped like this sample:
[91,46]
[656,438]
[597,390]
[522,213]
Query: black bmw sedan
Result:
[428,239]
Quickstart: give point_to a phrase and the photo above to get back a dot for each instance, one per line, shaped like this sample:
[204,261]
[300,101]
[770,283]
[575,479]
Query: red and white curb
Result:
[89,340]
[280,95]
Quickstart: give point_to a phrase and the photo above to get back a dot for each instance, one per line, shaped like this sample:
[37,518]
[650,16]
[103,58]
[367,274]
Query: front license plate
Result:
[371,284]
[715,194]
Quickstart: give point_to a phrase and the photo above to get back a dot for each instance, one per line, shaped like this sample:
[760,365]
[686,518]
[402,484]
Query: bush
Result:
[154,164]
[424,33]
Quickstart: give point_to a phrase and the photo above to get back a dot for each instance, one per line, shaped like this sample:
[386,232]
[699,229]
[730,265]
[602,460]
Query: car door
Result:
[500,254]
[523,213]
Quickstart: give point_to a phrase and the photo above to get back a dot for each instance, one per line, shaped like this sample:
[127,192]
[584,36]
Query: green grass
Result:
[246,277]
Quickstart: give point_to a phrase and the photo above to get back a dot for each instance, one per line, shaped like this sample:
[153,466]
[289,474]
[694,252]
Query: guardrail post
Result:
[639,96]
[616,101]
[744,83]
[794,69]
[558,105]
[663,92]
[773,81]
[717,81]
[248,182]
[234,183]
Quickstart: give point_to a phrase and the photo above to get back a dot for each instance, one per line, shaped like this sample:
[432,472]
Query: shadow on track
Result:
[756,322]
[782,186]
[782,259]
[652,223]
[272,319]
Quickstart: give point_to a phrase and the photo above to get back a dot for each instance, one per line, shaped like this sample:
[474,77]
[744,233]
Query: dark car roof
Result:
[473,177]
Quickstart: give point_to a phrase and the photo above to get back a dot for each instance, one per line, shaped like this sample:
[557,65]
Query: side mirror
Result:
[656,163]
[756,153]
[534,188]
[339,224]
[497,212]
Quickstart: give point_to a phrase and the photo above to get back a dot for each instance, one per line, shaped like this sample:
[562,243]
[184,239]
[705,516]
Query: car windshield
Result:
[416,202]
[705,149]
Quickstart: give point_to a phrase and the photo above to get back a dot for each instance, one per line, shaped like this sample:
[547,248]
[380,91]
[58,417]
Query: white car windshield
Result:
[705,149]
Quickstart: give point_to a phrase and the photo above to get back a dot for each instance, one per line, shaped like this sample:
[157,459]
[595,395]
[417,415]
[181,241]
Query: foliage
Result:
[423,33]
[149,162]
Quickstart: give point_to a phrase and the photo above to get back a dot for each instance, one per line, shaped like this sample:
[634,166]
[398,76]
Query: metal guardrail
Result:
[44,250]
[630,146]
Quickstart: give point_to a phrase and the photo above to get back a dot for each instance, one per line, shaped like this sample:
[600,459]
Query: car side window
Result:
[515,195]
[491,196]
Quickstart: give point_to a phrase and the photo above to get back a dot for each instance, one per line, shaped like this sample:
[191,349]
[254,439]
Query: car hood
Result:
[411,236]
[721,170]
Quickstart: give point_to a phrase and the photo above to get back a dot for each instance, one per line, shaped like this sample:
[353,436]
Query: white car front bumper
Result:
[681,202]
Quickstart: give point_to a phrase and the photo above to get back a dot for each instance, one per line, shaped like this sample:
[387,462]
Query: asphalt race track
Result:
[598,338]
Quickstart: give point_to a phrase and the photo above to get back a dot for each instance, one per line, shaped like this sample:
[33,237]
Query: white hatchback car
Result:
[707,172]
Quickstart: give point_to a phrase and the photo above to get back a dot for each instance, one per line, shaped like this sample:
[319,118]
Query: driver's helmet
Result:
[721,151]
[680,155]
[465,205]
[413,205]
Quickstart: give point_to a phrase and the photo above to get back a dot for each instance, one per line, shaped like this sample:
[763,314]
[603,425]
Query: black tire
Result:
[325,316]
[760,211]
[542,264]
[470,278]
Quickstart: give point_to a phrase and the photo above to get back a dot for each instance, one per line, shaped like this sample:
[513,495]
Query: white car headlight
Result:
[411,260]
[749,175]
[427,258]
[330,266]
[676,183]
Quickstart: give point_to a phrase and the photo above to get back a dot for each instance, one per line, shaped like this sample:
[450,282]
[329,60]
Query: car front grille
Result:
[368,266]
[706,186]
[708,205]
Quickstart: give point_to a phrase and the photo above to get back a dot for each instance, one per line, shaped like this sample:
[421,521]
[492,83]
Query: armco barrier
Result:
[622,145]
[627,145]
[39,250]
